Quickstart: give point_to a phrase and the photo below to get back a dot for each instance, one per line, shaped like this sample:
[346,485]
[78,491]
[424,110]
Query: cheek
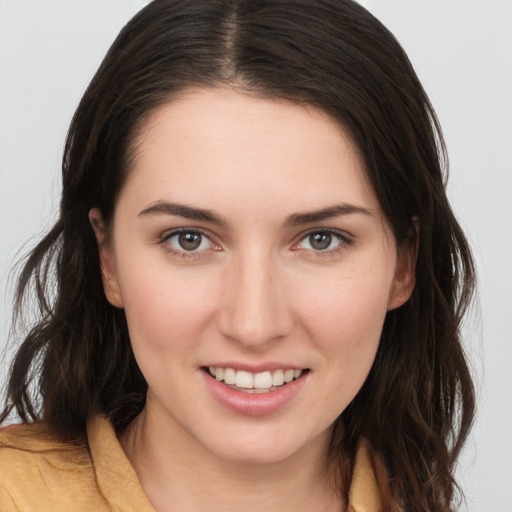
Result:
[346,315]
[166,308]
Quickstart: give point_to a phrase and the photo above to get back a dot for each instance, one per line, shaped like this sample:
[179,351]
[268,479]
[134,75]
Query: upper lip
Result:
[256,368]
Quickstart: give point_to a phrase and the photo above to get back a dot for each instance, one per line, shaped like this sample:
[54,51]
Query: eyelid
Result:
[167,235]
[345,240]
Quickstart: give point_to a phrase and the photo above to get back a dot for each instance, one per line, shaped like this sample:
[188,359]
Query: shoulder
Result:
[28,450]
[39,471]
[369,490]
[34,438]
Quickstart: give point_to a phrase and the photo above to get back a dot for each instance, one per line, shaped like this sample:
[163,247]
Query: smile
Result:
[254,393]
[247,382]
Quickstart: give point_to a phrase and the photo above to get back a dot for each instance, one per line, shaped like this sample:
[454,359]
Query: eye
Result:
[188,241]
[322,241]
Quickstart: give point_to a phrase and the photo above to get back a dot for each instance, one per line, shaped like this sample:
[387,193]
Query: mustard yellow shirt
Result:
[40,473]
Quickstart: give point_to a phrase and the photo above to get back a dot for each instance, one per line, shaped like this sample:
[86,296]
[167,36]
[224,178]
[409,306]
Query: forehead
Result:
[218,147]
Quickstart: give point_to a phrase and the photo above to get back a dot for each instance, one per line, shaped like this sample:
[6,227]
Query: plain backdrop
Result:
[462,51]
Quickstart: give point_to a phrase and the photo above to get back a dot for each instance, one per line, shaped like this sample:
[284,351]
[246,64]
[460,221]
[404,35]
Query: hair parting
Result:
[417,404]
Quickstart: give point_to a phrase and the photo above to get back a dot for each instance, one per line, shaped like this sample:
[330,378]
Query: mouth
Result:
[254,383]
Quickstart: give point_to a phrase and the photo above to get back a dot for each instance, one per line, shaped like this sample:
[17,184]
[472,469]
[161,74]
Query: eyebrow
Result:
[296,219]
[327,213]
[188,212]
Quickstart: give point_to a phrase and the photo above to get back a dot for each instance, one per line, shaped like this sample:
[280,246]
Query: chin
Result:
[264,448]
[249,455]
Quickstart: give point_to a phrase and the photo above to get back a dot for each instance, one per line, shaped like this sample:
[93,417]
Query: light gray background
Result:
[462,51]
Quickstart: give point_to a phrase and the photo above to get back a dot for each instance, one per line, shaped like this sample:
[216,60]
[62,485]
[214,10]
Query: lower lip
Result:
[254,404]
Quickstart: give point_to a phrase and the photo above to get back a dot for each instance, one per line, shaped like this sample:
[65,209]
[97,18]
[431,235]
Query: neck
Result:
[179,474]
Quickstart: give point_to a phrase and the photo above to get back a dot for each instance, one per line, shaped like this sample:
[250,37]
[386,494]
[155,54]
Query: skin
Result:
[256,291]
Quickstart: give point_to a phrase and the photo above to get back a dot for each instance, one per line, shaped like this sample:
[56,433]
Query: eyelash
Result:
[344,241]
[164,241]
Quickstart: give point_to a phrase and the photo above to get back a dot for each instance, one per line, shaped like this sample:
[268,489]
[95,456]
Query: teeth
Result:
[229,376]
[288,375]
[278,378]
[244,380]
[263,380]
[254,381]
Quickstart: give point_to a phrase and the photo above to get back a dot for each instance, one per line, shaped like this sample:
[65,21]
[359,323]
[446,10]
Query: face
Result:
[255,267]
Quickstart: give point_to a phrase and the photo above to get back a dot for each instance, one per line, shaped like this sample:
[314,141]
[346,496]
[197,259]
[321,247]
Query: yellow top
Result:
[40,473]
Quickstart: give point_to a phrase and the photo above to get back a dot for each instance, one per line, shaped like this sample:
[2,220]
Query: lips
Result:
[237,390]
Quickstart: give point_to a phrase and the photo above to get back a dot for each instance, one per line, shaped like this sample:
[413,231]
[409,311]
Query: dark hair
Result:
[417,404]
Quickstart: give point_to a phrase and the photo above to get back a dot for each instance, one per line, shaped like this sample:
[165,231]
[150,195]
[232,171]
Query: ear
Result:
[107,262]
[405,273]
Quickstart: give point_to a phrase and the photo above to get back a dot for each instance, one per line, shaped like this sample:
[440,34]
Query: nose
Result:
[255,307]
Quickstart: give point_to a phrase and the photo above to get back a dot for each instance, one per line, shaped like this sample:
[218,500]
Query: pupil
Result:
[190,241]
[320,241]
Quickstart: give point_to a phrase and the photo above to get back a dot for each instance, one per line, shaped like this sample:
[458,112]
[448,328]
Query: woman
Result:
[259,280]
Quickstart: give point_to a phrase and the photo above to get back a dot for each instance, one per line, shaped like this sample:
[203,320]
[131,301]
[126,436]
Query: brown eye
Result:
[185,241]
[189,241]
[324,241]
[320,241]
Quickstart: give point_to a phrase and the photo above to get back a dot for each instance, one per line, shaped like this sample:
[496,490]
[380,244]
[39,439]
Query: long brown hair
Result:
[417,405]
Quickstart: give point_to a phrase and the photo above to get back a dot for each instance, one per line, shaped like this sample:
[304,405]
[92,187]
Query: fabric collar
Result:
[120,486]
